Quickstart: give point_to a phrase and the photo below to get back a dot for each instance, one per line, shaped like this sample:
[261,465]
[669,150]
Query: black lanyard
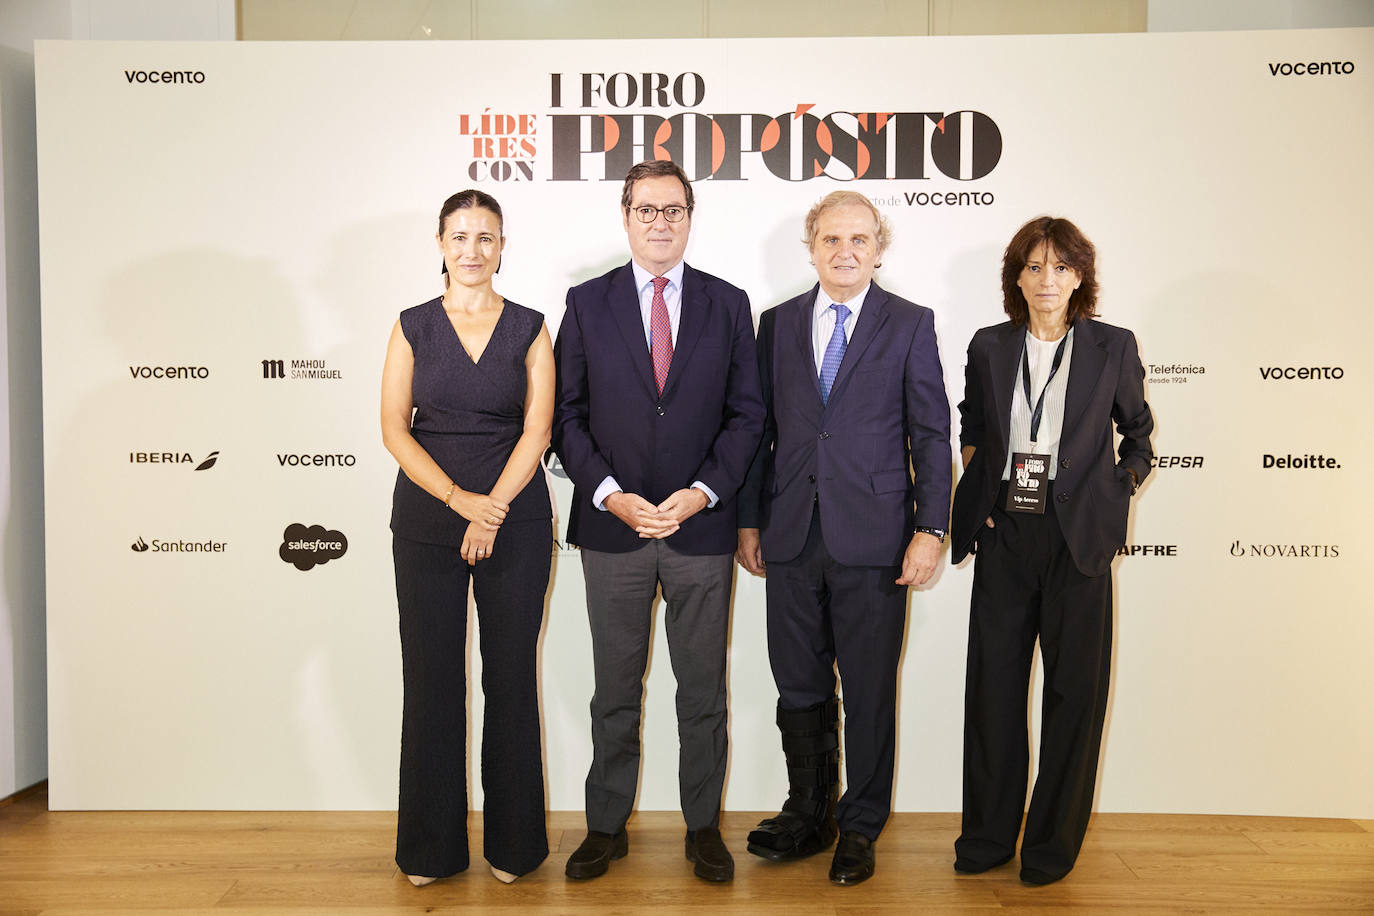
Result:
[1025,382]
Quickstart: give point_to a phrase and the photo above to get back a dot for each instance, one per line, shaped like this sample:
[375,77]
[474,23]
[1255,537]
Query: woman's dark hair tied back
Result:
[470,199]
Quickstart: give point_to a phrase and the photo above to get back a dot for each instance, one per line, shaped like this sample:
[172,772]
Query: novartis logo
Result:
[1286,551]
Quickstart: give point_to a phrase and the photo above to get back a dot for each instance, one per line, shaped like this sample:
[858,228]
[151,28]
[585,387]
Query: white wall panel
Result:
[284,207]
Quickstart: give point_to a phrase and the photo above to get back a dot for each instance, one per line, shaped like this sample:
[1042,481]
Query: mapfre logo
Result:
[1147,550]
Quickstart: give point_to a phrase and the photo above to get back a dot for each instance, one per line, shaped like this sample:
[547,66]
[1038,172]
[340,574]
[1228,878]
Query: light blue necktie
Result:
[834,351]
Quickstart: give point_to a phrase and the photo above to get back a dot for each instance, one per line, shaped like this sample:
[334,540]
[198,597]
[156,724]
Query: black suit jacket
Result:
[1092,488]
[609,420]
[854,454]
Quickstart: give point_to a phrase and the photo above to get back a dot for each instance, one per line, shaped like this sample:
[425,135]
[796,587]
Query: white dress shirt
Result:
[1039,357]
[823,321]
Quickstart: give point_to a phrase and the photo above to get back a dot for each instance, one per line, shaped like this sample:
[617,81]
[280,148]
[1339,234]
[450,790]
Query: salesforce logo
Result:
[308,546]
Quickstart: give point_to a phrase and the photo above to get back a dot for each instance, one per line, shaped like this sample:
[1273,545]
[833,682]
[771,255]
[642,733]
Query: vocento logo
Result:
[308,546]
[298,460]
[176,373]
[1300,373]
[1312,68]
[165,77]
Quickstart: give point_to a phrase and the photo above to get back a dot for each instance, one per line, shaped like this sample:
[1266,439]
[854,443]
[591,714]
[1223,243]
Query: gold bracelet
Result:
[449,494]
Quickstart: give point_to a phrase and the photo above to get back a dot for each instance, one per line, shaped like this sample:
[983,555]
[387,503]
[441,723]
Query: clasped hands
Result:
[485,516]
[918,561]
[650,521]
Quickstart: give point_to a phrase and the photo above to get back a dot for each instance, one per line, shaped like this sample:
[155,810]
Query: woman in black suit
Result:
[1043,503]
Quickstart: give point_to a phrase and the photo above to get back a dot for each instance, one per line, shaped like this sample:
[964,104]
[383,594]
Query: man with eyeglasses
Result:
[657,416]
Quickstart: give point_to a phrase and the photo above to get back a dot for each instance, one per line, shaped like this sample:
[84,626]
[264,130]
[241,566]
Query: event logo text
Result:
[798,144]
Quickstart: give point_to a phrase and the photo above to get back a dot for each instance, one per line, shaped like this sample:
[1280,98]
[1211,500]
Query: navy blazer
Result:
[854,455]
[1092,490]
[609,420]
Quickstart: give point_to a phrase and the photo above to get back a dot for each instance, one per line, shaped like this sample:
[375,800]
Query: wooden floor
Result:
[341,862]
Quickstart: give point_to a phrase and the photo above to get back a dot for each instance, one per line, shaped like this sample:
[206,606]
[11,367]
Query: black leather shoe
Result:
[707,850]
[853,863]
[594,856]
[1037,877]
[970,867]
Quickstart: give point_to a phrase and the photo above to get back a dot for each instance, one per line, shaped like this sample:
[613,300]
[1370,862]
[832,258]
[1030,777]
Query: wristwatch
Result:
[938,532]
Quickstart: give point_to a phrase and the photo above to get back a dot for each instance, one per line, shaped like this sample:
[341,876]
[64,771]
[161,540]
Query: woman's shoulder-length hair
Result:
[1072,247]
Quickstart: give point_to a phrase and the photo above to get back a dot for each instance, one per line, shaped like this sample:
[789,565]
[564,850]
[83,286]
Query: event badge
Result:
[1030,471]
[1030,480]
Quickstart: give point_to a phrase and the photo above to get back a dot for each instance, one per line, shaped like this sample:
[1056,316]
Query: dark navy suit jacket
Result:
[854,455]
[1092,490]
[609,420]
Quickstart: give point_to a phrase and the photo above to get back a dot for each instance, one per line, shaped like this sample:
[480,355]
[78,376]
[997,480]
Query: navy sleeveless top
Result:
[468,417]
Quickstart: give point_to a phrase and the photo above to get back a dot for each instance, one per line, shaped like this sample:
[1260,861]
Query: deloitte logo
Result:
[1300,462]
[308,546]
[180,458]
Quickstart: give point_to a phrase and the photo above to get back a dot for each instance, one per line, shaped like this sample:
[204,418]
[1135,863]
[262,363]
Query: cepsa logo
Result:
[794,144]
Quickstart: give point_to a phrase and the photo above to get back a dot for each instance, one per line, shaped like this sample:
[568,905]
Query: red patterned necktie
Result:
[660,334]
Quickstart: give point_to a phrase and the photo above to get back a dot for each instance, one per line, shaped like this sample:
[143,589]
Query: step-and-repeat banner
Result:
[229,231]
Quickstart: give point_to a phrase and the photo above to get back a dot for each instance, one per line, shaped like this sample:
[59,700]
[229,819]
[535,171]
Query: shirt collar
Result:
[643,278]
[823,301]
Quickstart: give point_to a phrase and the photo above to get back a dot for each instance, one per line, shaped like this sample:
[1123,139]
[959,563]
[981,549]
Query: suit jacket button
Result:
[659,408]
[1064,463]
[1062,497]
[824,436]
[810,478]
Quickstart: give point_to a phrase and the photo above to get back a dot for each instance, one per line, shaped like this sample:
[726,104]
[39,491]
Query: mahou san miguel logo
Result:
[625,118]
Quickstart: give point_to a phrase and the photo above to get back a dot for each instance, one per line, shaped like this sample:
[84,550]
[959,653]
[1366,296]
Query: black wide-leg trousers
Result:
[432,595]
[823,615]
[1025,585]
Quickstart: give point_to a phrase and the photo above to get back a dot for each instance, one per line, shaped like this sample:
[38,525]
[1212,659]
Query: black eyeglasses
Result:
[647,214]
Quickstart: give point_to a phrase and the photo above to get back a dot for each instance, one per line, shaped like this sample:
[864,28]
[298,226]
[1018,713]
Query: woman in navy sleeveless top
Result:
[467,403]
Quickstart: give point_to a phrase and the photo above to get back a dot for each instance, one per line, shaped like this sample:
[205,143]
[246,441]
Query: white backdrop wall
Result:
[278,204]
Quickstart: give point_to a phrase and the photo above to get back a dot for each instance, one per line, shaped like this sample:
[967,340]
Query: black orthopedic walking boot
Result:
[806,823]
